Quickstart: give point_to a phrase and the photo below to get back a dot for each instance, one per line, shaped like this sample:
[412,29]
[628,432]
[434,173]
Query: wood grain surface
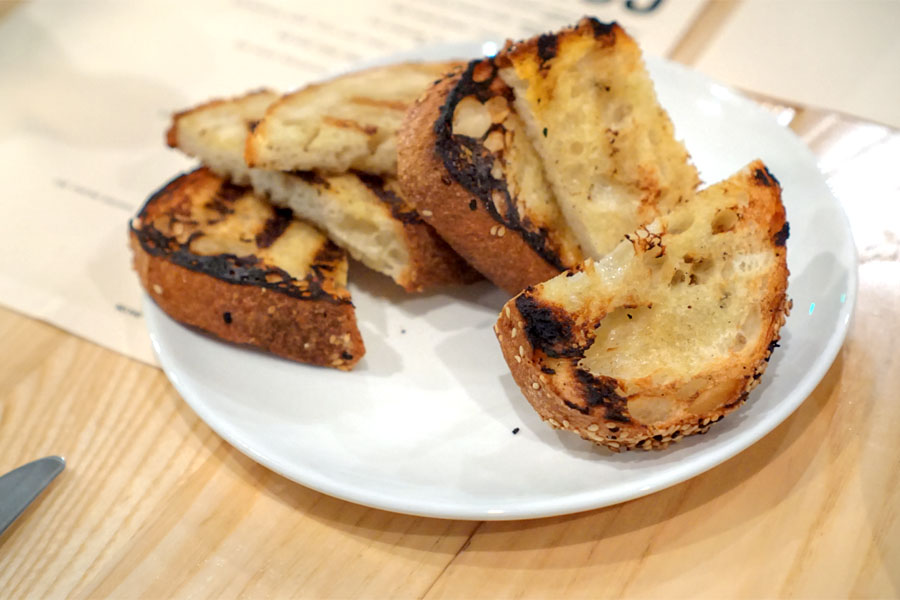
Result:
[154,504]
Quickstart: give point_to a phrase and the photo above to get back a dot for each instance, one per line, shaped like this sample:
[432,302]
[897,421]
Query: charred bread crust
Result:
[532,331]
[603,417]
[241,299]
[432,262]
[464,218]
[545,47]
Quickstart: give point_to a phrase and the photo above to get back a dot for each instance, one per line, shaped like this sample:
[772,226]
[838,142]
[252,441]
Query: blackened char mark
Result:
[470,163]
[764,177]
[585,410]
[400,209]
[274,227]
[223,200]
[781,238]
[312,178]
[547,47]
[601,391]
[772,345]
[601,29]
[239,270]
[548,329]
[325,262]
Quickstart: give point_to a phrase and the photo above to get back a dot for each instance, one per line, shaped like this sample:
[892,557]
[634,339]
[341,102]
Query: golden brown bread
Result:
[666,334]
[364,214]
[590,109]
[349,122]
[215,256]
[467,166]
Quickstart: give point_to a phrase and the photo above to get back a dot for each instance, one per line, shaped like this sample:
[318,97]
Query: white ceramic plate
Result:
[424,424]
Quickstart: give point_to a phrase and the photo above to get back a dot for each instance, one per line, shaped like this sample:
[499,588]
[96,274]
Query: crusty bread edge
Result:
[317,332]
[501,256]
[432,261]
[550,402]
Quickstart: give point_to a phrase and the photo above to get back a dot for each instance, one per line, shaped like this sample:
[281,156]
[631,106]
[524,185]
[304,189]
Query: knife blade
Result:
[21,486]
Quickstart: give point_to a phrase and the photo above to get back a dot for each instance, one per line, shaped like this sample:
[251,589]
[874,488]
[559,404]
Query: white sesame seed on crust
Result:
[501,230]
[518,358]
[271,309]
[427,213]
[513,332]
[506,310]
[494,230]
[336,362]
[543,378]
[332,339]
[157,288]
[521,350]
[536,385]
[565,424]
[306,345]
[553,422]
[593,427]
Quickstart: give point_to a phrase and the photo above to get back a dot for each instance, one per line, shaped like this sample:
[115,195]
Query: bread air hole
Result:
[680,222]
[725,220]
[471,118]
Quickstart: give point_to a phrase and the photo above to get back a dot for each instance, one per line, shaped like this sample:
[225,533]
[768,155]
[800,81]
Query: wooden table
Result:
[154,504]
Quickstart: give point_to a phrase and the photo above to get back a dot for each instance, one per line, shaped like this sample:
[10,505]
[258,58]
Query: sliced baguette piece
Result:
[591,111]
[468,166]
[349,122]
[667,333]
[215,256]
[363,214]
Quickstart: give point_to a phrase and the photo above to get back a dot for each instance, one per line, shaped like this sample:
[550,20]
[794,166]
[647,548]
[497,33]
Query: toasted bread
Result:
[590,110]
[215,256]
[363,214]
[349,122]
[667,333]
[467,165]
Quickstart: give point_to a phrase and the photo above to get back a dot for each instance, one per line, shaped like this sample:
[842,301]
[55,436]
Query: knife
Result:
[20,487]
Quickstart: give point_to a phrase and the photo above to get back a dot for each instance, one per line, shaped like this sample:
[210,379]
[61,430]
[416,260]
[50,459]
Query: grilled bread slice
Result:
[349,122]
[667,333]
[362,213]
[215,256]
[468,166]
[590,110]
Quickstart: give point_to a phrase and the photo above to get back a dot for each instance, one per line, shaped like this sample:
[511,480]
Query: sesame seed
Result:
[271,309]
[501,230]
[536,385]
[611,427]
[518,358]
[521,350]
[543,378]
[427,213]
[336,362]
[346,338]
[306,346]
[157,288]
[565,424]
[513,332]
[332,339]
[553,422]
[593,427]
[507,312]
